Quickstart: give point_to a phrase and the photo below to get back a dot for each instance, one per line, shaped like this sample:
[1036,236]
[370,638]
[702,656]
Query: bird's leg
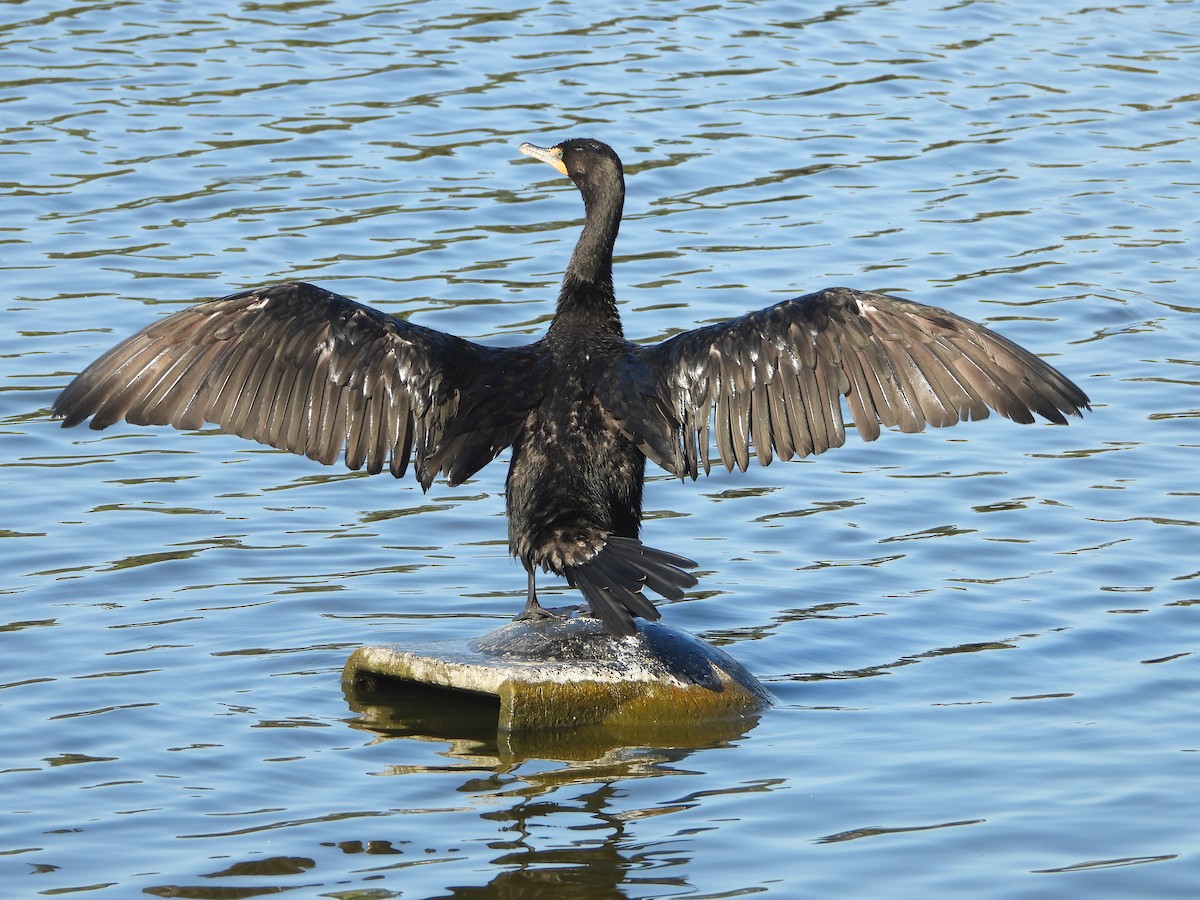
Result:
[533,610]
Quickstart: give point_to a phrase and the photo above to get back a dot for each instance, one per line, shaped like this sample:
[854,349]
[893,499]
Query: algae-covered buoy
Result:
[551,673]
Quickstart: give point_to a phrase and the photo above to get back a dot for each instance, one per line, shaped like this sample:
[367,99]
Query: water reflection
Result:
[526,800]
[259,869]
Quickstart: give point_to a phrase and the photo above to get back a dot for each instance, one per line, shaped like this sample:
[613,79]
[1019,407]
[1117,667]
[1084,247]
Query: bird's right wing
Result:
[774,379]
[306,370]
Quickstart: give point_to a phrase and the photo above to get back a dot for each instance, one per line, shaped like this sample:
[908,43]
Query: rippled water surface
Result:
[984,641]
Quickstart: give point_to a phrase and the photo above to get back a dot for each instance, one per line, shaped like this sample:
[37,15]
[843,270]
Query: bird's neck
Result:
[587,295]
[592,259]
[587,308]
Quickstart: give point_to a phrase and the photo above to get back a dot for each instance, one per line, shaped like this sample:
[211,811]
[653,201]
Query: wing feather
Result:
[306,370]
[776,378]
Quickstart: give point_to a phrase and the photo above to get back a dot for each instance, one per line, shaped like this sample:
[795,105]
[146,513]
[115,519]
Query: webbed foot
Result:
[535,612]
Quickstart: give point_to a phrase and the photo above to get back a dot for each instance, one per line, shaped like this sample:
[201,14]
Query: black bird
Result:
[306,370]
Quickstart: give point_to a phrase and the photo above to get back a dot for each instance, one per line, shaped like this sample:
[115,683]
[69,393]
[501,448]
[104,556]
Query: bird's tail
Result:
[613,579]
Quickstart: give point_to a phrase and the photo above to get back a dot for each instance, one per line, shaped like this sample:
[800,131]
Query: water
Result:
[983,640]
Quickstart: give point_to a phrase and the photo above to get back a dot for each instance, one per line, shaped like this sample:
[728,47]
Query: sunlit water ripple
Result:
[984,640]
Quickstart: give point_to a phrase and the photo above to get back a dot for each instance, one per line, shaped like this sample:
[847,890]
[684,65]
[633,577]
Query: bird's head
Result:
[591,164]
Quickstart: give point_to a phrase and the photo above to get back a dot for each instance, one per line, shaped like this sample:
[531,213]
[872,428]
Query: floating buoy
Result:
[564,672]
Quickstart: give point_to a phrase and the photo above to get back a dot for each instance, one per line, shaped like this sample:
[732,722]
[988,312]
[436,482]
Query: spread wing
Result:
[306,370]
[775,378]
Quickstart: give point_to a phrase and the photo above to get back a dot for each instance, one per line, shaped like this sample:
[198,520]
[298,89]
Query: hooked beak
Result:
[550,155]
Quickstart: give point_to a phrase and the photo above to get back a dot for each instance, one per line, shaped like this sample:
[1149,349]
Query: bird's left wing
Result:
[306,370]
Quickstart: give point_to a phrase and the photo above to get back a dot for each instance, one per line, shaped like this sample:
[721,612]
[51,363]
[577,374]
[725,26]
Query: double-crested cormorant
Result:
[305,370]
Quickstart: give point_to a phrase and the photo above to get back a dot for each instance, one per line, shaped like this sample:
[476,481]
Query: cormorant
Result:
[306,370]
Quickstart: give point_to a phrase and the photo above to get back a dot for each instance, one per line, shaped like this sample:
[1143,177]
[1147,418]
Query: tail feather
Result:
[613,579]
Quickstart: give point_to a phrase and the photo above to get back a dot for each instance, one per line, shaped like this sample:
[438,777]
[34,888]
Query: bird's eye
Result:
[558,154]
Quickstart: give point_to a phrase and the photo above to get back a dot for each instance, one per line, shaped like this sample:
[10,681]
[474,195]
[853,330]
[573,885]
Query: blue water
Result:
[983,640]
